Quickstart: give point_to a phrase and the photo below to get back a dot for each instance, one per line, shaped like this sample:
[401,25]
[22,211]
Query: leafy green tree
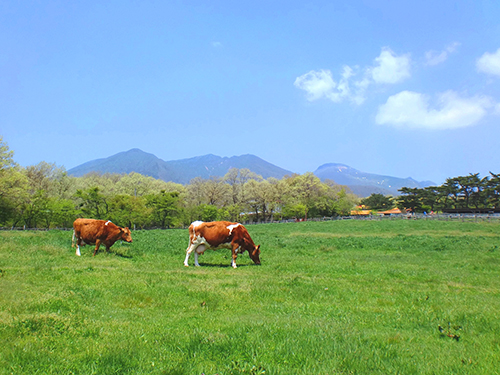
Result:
[336,200]
[44,181]
[232,179]
[107,182]
[57,213]
[431,197]
[92,203]
[410,198]
[256,199]
[129,211]
[41,177]
[275,191]
[13,194]
[467,191]
[469,187]
[346,202]
[208,212]
[33,208]
[165,207]
[305,189]
[452,190]
[216,192]
[137,185]
[492,190]
[237,180]
[6,156]
[13,187]
[378,202]
[213,191]
[231,212]
[298,211]
[479,197]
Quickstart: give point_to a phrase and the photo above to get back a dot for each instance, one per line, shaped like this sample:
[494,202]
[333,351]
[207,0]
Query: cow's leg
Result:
[189,250]
[78,243]
[97,244]
[199,250]
[234,250]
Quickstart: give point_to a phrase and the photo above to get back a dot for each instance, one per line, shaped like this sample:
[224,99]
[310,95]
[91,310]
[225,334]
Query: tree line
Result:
[458,194]
[45,196]
[461,194]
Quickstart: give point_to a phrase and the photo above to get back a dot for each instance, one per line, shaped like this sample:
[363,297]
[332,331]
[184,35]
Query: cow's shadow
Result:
[221,265]
[123,255]
[115,253]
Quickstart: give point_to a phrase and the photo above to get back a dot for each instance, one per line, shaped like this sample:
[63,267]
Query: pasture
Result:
[338,297]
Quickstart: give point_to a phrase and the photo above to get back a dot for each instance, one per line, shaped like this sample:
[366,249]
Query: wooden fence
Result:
[440,217]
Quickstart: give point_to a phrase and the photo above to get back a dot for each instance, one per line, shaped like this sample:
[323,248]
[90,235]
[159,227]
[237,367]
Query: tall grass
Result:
[344,297]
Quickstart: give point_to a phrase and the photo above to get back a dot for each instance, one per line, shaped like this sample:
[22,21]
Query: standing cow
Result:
[90,231]
[220,234]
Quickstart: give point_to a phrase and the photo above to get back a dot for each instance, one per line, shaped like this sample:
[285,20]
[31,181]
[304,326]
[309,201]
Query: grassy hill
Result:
[340,297]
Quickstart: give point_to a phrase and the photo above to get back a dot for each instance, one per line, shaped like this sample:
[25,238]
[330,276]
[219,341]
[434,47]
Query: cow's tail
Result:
[73,239]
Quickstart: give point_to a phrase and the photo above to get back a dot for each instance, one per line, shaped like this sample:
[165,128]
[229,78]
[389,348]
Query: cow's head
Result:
[126,235]
[254,254]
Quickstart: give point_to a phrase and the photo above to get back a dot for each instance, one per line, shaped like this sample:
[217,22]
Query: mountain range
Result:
[179,171]
[184,170]
[364,184]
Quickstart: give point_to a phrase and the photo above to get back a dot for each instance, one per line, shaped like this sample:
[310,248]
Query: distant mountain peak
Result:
[362,183]
[184,170]
[179,171]
[339,166]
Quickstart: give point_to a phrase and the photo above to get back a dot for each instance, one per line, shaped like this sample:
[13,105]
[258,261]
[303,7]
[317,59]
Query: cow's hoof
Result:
[186,265]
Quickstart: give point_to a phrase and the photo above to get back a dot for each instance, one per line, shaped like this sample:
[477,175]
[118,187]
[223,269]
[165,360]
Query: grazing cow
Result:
[90,231]
[220,234]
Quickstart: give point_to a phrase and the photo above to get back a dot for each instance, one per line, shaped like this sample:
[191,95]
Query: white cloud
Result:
[412,110]
[216,44]
[435,58]
[317,84]
[320,84]
[390,68]
[489,63]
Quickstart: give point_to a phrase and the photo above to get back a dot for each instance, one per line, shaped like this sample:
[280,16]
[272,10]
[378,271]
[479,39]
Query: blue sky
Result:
[399,88]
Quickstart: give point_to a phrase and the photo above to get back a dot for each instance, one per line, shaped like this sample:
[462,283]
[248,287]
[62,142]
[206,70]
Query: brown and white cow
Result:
[90,231]
[220,234]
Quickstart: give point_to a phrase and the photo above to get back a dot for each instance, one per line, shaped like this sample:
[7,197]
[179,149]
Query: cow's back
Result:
[89,229]
[214,232]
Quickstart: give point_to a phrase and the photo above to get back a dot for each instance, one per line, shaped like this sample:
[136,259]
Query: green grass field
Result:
[339,297]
